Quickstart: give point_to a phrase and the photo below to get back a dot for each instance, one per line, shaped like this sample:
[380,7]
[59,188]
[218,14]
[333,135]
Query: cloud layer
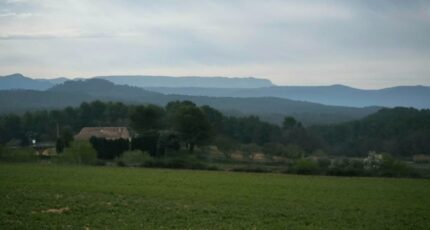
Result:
[368,44]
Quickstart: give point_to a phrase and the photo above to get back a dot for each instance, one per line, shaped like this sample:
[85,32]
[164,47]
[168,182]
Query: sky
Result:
[365,44]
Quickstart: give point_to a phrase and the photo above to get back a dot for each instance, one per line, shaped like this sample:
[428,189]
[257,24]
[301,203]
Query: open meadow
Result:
[51,196]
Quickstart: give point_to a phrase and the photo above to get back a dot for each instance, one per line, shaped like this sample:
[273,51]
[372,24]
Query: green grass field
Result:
[48,196]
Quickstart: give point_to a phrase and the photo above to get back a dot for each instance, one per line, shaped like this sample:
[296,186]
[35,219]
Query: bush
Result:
[18,154]
[385,165]
[80,152]
[373,161]
[255,169]
[275,149]
[147,142]
[250,148]
[178,163]
[134,158]
[225,144]
[346,167]
[294,151]
[305,166]
[391,167]
[421,159]
[59,145]
[168,141]
[324,163]
[109,149]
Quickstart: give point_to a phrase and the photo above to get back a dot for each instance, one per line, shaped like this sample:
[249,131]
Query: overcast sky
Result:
[366,44]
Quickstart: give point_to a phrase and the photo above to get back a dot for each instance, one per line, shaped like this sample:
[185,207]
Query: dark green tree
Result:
[10,128]
[66,135]
[59,145]
[191,122]
[214,117]
[144,118]
[290,122]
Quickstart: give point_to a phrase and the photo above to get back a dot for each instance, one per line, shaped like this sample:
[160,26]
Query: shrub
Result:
[319,153]
[168,141]
[385,165]
[305,166]
[18,154]
[294,151]
[80,152]
[275,149]
[147,141]
[59,145]
[324,163]
[373,161]
[421,158]
[346,167]
[133,158]
[225,144]
[109,149]
[178,163]
[394,168]
[256,169]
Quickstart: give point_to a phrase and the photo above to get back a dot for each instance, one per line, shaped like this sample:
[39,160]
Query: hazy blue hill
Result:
[338,95]
[166,81]
[409,96]
[18,81]
[106,90]
[57,81]
[18,101]
[268,108]
[275,109]
[413,96]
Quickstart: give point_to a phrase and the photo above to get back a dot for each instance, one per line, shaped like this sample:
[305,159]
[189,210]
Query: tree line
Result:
[183,124]
[399,131]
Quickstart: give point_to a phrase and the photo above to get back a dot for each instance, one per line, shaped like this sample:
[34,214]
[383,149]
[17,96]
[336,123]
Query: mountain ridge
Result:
[268,108]
[193,81]
[407,96]
[417,96]
[19,81]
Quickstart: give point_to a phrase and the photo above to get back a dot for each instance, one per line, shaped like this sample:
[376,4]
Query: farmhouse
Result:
[110,133]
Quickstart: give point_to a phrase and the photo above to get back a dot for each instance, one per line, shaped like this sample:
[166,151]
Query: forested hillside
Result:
[188,81]
[408,96]
[270,109]
[19,101]
[399,131]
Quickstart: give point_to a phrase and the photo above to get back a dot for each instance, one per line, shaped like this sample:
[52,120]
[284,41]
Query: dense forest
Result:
[399,131]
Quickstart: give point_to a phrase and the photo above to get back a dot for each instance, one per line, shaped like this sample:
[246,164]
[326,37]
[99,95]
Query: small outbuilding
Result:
[109,133]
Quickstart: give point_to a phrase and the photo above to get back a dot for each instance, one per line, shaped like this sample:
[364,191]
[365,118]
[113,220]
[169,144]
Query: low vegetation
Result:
[80,152]
[17,154]
[40,196]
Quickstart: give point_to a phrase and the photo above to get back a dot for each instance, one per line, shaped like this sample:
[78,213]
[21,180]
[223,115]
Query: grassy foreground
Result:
[44,196]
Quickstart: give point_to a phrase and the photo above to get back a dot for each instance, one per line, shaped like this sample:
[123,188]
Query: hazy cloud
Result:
[361,43]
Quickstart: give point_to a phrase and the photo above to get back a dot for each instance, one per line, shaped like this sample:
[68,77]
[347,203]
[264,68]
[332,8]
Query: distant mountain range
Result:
[340,95]
[72,93]
[407,96]
[165,81]
[19,81]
